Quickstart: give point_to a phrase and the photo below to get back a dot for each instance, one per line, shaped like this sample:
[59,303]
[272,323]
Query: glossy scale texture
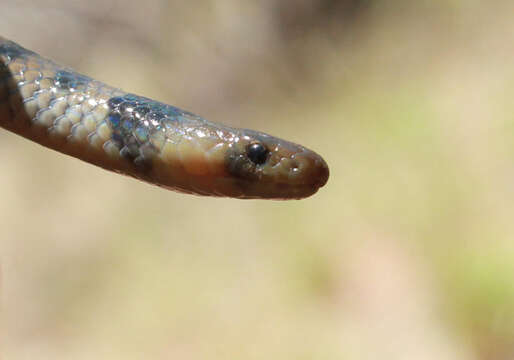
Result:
[154,142]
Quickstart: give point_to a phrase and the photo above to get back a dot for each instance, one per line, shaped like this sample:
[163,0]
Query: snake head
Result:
[260,165]
[201,157]
[211,159]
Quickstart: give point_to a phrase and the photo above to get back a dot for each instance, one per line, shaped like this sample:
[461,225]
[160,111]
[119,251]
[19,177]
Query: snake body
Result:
[148,140]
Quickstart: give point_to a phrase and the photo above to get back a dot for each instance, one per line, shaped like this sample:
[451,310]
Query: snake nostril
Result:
[295,167]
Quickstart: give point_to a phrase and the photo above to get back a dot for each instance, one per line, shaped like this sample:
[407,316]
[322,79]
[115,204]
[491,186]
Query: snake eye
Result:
[257,153]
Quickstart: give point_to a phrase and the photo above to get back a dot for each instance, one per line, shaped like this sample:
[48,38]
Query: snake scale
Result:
[145,139]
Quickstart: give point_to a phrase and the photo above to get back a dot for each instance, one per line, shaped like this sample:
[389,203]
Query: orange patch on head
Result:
[196,166]
[192,157]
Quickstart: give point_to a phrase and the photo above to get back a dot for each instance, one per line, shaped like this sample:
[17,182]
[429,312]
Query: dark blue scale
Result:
[71,81]
[140,111]
[114,120]
[114,102]
[127,107]
[127,125]
[138,117]
[14,51]
[133,119]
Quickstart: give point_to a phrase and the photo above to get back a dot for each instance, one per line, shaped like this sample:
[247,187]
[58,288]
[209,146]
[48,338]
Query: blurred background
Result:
[407,253]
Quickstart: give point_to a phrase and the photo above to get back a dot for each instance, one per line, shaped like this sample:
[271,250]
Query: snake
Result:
[157,143]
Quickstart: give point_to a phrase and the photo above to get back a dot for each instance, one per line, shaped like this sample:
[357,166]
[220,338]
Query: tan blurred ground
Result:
[408,253]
